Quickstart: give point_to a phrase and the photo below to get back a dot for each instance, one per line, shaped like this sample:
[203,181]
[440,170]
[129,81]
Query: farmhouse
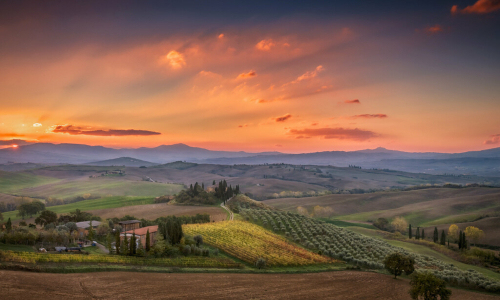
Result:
[140,234]
[130,225]
[83,227]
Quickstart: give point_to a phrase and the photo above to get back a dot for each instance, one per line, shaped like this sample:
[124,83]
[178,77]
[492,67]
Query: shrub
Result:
[260,263]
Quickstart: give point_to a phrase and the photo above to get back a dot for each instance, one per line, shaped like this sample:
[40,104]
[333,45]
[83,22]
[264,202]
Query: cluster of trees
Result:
[4,207]
[195,194]
[461,237]
[30,208]
[420,234]
[224,192]
[171,230]
[77,216]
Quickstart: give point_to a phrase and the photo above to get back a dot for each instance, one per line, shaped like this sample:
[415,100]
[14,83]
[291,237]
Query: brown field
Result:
[422,205]
[153,211]
[127,285]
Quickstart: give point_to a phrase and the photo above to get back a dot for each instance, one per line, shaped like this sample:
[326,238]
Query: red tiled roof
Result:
[144,230]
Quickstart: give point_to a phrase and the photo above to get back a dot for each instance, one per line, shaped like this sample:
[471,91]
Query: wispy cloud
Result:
[282,118]
[309,74]
[247,75]
[355,101]
[494,139]
[334,133]
[433,29]
[480,7]
[77,130]
[369,116]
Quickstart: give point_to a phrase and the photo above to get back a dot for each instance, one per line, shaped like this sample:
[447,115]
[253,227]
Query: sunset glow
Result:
[295,79]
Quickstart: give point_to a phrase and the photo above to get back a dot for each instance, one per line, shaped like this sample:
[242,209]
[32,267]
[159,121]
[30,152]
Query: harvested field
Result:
[153,211]
[125,285]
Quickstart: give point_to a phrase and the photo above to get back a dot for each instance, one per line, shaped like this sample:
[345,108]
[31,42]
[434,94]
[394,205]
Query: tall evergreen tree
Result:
[464,241]
[117,242]
[148,242]
[436,235]
[124,249]
[417,235]
[133,244]
[410,234]
[8,225]
[213,183]
[443,238]
[460,241]
[423,234]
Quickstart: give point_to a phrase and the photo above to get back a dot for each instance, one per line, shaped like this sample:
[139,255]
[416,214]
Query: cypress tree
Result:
[117,242]
[423,234]
[464,241]
[443,238]
[133,245]
[148,242]
[125,245]
[460,242]
[410,234]
[417,235]
[436,235]
[8,225]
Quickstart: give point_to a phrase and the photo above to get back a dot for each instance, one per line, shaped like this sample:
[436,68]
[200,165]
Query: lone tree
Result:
[398,263]
[260,263]
[423,234]
[417,234]
[427,286]
[410,234]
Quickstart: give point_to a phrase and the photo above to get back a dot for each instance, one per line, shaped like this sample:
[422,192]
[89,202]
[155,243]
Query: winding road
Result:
[231,216]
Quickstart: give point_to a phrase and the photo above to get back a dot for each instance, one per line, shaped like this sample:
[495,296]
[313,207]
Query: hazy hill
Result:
[483,163]
[122,161]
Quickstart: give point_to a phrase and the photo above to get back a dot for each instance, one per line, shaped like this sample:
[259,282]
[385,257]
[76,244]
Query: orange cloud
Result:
[174,59]
[334,133]
[494,139]
[265,45]
[76,130]
[369,116]
[221,36]
[309,74]
[283,118]
[355,101]
[480,7]
[433,29]
[247,75]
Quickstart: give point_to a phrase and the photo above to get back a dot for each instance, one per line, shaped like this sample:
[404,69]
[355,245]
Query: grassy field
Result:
[87,205]
[419,249]
[101,186]
[21,248]
[11,182]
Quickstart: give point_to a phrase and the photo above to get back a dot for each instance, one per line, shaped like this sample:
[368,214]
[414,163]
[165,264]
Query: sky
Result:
[288,76]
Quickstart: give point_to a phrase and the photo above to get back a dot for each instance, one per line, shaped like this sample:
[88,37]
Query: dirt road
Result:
[128,285]
[231,215]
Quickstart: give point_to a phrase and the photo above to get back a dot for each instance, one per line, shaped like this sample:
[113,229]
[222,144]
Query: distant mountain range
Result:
[484,163]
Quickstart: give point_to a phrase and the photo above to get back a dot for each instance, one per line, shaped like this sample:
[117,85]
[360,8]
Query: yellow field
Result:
[190,261]
[248,242]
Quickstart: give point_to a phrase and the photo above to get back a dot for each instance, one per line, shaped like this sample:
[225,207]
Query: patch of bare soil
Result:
[128,285]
